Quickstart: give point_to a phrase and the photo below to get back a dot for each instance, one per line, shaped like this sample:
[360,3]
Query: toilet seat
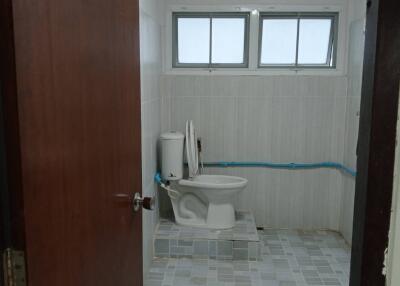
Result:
[192,154]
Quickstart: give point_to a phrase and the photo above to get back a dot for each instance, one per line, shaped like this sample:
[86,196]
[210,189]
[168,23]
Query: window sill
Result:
[255,72]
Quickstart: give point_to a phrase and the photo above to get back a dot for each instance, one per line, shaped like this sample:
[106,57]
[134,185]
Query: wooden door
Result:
[77,107]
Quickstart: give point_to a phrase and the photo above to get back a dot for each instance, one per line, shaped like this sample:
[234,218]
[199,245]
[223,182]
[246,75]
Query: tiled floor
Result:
[289,258]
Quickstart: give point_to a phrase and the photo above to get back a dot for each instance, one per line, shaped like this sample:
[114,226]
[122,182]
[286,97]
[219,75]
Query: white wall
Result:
[355,66]
[151,66]
[279,118]
[393,256]
[269,118]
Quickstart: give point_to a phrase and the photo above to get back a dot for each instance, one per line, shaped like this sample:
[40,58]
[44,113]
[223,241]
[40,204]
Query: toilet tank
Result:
[172,155]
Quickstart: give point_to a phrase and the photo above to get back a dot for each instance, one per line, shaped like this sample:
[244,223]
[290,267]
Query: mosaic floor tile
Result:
[245,229]
[289,258]
[240,243]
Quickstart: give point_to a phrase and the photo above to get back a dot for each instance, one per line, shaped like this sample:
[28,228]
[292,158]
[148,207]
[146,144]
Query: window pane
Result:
[314,41]
[278,44]
[193,40]
[228,36]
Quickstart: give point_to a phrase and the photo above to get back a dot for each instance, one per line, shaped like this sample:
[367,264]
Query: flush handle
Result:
[147,203]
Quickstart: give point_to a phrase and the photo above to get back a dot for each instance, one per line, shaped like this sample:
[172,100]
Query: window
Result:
[210,39]
[298,40]
[290,40]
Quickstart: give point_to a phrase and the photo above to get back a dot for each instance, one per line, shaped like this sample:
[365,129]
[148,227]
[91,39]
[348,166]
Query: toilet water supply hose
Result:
[288,166]
[172,193]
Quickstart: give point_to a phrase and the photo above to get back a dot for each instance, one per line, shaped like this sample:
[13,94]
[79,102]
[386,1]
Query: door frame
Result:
[376,145]
[11,194]
[9,147]
[5,219]
[12,234]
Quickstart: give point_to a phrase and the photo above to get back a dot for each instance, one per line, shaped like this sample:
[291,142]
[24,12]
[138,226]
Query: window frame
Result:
[333,38]
[210,15]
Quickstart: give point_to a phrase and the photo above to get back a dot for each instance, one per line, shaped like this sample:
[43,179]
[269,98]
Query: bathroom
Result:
[199,142]
[256,113]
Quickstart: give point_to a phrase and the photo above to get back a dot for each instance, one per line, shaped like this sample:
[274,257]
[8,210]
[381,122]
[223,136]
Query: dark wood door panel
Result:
[78,81]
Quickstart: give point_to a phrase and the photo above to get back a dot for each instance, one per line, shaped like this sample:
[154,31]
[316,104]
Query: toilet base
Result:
[212,215]
[220,216]
[206,200]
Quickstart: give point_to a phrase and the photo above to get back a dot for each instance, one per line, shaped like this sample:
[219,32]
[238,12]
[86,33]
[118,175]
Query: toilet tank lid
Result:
[172,135]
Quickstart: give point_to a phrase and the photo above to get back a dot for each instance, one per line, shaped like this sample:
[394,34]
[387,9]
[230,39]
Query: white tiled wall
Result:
[260,118]
[269,118]
[356,48]
[151,65]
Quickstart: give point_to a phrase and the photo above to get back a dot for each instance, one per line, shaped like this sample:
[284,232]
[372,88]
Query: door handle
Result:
[147,203]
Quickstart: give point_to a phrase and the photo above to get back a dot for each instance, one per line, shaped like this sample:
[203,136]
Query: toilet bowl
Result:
[200,200]
[219,192]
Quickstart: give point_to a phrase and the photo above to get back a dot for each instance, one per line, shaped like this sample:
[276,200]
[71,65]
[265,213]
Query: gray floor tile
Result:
[290,258]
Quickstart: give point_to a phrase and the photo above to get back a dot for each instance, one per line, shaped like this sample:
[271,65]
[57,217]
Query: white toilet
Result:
[200,200]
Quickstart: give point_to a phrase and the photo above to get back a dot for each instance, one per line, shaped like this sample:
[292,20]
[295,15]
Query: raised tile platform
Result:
[239,243]
[289,258]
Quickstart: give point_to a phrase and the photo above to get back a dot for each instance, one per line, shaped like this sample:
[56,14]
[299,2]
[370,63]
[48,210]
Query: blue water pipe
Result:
[289,166]
[157,178]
